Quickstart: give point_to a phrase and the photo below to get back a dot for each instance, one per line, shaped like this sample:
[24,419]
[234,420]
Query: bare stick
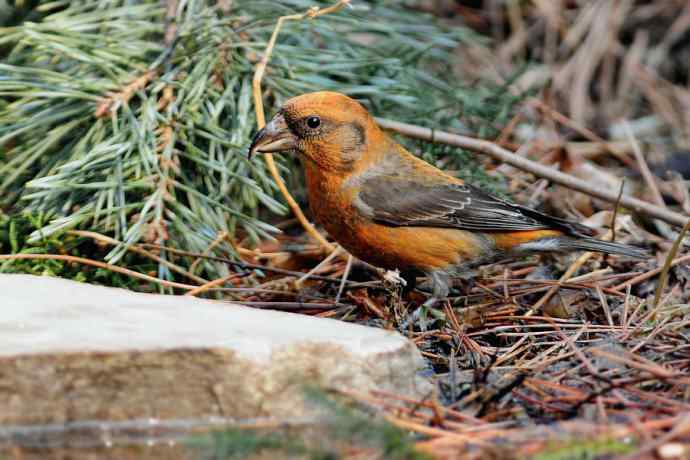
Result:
[343,280]
[644,167]
[319,266]
[261,119]
[222,235]
[615,211]
[138,250]
[663,278]
[211,284]
[566,180]
[96,263]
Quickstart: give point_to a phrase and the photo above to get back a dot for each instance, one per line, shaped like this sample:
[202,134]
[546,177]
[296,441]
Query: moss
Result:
[585,449]
[14,232]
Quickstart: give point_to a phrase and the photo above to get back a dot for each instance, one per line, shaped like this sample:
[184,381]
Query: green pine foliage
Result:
[108,126]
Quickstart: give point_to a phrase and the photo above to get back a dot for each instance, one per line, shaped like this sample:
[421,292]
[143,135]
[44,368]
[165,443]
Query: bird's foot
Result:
[393,277]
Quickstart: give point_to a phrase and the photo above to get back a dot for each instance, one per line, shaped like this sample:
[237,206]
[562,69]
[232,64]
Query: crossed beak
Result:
[274,137]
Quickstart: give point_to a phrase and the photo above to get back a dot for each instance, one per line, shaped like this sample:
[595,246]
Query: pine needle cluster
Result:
[132,119]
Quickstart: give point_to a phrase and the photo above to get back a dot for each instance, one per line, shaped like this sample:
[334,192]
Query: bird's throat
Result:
[329,201]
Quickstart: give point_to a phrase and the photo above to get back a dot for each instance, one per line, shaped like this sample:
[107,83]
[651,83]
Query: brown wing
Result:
[402,202]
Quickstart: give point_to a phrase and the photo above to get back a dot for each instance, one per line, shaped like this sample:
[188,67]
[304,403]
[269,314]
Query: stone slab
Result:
[74,352]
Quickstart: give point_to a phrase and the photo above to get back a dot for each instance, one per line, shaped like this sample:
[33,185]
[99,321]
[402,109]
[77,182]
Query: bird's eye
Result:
[313,122]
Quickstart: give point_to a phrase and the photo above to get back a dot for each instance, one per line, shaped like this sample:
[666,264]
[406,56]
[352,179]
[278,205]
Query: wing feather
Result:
[397,202]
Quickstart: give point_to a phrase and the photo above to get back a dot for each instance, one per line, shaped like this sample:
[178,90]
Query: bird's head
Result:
[328,128]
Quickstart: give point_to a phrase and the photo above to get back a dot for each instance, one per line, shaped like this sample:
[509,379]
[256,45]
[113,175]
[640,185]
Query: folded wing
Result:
[396,201]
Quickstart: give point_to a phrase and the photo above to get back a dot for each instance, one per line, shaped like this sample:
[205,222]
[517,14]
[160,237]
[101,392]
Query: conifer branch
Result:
[132,119]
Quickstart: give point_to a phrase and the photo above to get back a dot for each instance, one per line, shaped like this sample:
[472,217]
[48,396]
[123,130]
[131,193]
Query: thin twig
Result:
[212,284]
[663,278]
[245,265]
[615,212]
[605,305]
[96,263]
[140,251]
[261,119]
[115,100]
[582,130]
[346,273]
[222,235]
[644,167]
[337,250]
[568,273]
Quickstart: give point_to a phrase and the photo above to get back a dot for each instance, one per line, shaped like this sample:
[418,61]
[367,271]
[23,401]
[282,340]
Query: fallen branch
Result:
[566,180]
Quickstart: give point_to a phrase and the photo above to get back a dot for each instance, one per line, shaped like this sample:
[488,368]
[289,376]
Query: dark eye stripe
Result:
[290,121]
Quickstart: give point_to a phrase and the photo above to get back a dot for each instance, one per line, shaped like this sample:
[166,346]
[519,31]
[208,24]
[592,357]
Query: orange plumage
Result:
[396,211]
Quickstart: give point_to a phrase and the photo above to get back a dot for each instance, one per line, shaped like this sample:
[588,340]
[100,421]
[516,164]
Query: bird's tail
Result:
[607,247]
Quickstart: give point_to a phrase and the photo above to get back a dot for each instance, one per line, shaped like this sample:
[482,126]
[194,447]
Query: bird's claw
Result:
[393,277]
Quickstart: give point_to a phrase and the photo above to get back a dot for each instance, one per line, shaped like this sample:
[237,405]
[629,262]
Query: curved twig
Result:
[96,263]
[261,119]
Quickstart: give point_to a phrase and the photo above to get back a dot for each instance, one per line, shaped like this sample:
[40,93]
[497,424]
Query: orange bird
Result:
[396,211]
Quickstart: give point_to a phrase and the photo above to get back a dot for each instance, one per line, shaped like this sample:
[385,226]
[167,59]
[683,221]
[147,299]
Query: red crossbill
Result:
[396,211]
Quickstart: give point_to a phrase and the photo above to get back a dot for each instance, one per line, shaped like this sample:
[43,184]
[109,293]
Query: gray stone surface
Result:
[73,351]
